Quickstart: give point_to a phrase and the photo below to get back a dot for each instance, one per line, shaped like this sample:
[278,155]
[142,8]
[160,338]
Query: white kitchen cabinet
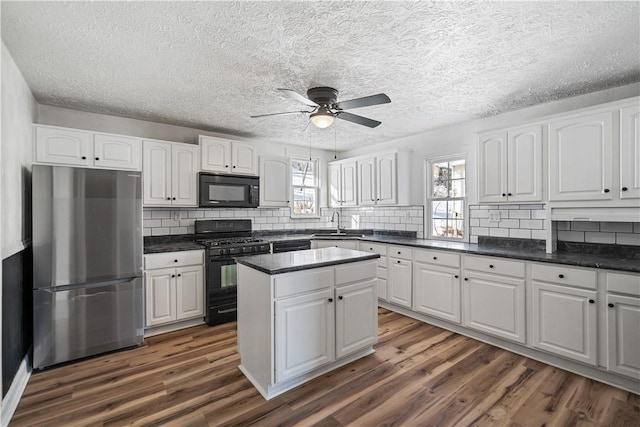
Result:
[170,174]
[305,333]
[510,165]
[623,332]
[630,152]
[223,155]
[564,321]
[493,297]
[436,291]
[343,184]
[174,287]
[275,188]
[334,243]
[377,180]
[580,157]
[367,182]
[356,317]
[72,147]
[399,282]
[381,269]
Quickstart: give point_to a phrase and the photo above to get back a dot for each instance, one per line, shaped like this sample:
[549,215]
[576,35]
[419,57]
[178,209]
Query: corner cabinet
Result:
[510,165]
[72,147]
[170,174]
[275,177]
[223,155]
[630,152]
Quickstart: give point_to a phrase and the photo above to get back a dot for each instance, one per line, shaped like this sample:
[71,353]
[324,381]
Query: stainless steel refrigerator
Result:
[87,262]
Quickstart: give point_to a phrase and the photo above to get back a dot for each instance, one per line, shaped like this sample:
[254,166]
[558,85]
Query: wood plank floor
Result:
[420,375]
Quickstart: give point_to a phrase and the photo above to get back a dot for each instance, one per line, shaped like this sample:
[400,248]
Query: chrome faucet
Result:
[333,219]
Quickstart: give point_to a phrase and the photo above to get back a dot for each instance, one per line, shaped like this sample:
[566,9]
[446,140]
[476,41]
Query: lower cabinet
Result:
[399,282]
[380,249]
[564,321]
[356,317]
[623,335]
[436,291]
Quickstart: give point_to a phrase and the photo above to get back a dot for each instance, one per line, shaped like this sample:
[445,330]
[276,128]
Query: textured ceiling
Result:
[210,65]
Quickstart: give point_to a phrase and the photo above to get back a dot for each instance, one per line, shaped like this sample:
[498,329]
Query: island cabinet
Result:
[295,326]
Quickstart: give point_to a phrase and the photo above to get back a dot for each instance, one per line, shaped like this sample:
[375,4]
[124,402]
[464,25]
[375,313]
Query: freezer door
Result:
[87,225]
[73,322]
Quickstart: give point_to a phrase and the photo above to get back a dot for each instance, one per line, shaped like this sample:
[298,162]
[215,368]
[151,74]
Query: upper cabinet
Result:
[630,152]
[343,189]
[170,174]
[71,147]
[510,165]
[223,155]
[580,157]
[275,188]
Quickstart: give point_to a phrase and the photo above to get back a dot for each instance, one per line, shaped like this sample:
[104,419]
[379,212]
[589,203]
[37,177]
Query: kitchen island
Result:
[302,314]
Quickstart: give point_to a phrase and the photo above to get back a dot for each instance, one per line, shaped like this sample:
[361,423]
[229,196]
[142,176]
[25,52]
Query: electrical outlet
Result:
[177,216]
[494,216]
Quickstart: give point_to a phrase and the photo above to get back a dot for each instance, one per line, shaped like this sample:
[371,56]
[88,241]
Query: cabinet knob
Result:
[173,275]
[509,194]
[97,158]
[592,301]
[377,200]
[561,276]
[624,189]
[490,265]
[175,260]
[466,279]
[226,166]
[340,297]
[398,261]
[288,201]
[168,198]
[611,305]
[435,257]
[456,276]
[370,249]
[174,198]
[399,252]
[504,194]
[330,299]
[234,167]
[373,200]
[606,190]
[84,157]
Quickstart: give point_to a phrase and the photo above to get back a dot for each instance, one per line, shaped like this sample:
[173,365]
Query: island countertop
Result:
[304,260]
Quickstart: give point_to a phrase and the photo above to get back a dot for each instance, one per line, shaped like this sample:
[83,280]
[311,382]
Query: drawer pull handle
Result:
[490,265]
[330,299]
[591,301]
[611,305]
[435,257]
[456,276]
[340,297]
[561,276]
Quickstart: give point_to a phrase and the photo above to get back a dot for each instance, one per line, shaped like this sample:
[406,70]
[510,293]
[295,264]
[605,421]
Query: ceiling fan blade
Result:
[380,98]
[357,119]
[278,114]
[295,95]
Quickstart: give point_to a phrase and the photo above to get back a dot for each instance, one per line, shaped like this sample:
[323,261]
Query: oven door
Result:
[222,276]
[219,191]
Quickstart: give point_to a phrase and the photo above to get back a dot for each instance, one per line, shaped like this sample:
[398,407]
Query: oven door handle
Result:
[228,310]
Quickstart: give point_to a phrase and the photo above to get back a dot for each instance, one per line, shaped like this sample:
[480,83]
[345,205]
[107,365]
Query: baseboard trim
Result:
[12,398]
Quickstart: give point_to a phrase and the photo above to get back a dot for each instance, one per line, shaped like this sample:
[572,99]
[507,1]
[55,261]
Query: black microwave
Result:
[228,191]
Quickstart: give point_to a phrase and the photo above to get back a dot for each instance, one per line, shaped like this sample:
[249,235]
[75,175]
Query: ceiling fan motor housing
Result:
[323,95]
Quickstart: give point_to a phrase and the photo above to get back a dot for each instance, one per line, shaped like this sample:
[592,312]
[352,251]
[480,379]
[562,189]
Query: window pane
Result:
[457,188]
[439,209]
[455,229]
[456,209]
[304,200]
[439,227]
[303,172]
[441,180]
[457,169]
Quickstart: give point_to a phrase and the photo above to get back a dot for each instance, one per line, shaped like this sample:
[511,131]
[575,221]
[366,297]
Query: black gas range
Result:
[225,241]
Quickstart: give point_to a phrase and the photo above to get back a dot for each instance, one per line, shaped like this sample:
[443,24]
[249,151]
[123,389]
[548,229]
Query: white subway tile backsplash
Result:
[509,223]
[539,234]
[160,214]
[196,214]
[598,237]
[585,226]
[538,214]
[160,231]
[520,214]
[170,223]
[628,239]
[617,227]
[517,233]
[534,224]
[499,232]
[571,236]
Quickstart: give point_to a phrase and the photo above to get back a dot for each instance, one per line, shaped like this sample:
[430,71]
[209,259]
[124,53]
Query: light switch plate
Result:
[494,216]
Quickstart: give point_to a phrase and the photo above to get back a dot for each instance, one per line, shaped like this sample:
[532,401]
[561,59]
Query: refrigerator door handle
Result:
[63,288]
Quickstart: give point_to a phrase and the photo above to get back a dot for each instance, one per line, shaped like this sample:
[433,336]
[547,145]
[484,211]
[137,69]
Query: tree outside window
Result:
[304,183]
[447,198]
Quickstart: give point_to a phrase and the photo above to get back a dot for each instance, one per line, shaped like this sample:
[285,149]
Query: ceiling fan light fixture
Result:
[323,118]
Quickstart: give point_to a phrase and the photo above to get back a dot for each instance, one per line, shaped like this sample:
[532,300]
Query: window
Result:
[446,198]
[304,183]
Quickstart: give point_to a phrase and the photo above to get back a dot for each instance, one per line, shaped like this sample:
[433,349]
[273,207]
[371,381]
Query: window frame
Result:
[428,196]
[316,187]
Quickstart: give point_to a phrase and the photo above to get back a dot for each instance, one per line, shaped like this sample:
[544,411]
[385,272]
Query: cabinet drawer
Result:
[401,252]
[376,248]
[623,283]
[300,283]
[564,275]
[173,259]
[494,265]
[444,259]
[381,272]
[355,272]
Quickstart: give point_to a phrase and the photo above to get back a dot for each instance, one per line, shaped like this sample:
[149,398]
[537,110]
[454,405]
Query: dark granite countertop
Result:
[304,260]
[622,259]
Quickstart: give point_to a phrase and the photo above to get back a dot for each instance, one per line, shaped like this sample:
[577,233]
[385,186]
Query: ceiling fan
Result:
[324,108]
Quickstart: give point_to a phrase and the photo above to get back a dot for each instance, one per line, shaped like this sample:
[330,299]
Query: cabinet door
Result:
[216,154]
[184,168]
[356,317]
[189,292]
[63,146]
[243,159]
[117,152]
[399,282]
[492,167]
[630,152]
[349,184]
[386,179]
[335,185]
[157,173]
[580,158]
[436,291]
[367,181]
[524,164]
[305,334]
[160,296]
[495,305]
[564,321]
[382,289]
[275,173]
[623,330]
